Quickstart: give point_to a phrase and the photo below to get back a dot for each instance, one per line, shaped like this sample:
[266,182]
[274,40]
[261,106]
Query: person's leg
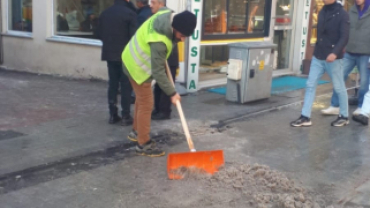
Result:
[144,100]
[362,64]
[113,84]
[165,102]
[132,136]
[157,98]
[335,71]
[142,120]
[316,71]
[363,118]
[349,62]
[126,90]
[365,110]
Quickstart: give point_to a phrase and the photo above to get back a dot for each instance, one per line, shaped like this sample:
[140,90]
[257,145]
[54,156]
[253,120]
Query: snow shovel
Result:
[204,161]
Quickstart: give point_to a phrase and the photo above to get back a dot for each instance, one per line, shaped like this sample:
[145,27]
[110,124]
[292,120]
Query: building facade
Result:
[56,36]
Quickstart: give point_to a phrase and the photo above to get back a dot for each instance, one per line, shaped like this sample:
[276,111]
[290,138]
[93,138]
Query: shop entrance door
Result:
[283,34]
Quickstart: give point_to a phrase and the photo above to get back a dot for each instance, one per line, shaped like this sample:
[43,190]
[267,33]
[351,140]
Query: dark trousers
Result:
[162,102]
[117,77]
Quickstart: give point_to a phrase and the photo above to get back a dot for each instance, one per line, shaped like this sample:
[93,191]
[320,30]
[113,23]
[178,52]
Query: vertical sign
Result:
[306,18]
[194,48]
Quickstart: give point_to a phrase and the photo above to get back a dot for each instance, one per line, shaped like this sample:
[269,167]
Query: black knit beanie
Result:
[184,22]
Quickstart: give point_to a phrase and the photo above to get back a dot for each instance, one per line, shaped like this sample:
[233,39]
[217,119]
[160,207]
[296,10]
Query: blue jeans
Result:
[349,62]
[335,71]
[366,105]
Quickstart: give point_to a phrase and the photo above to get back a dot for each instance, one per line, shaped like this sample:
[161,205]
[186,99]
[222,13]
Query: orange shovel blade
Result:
[208,161]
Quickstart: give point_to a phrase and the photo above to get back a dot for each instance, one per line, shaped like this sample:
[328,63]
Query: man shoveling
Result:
[144,60]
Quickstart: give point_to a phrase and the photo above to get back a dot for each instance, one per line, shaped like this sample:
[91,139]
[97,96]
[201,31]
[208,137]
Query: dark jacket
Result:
[173,60]
[117,25]
[143,14]
[359,32]
[332,31]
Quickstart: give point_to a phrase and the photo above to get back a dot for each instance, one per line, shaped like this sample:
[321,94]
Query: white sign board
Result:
[194,48]
[306,18]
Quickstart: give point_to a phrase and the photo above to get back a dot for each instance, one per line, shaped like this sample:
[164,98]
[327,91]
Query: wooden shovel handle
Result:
[181,114]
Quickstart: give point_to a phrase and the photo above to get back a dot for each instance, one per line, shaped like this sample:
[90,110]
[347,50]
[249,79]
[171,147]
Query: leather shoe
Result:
[127,121]
[361,119]
[154,112]
[161,116]
[114,119]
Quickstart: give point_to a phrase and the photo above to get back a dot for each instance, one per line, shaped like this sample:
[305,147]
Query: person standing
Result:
[357,53]
[332,37]
[116,26]
[162,102]
[144,60]
[144,12]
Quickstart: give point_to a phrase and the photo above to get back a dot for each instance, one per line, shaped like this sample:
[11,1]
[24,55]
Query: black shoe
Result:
[361,119]
[127,121]
[150,149]
[341,121]
[301,121]
[161,116]
[114,119]
[154,112]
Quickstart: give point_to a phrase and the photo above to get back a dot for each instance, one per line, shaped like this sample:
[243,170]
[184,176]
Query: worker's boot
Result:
[132,136]
[149,149]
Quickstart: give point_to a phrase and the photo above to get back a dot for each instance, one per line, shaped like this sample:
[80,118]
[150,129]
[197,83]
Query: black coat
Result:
[143,14]
[117,25]
[173,59]
[332,31]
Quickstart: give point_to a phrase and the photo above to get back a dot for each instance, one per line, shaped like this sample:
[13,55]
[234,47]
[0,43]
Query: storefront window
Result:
[282,55]
[284,12]
[317,6]
[256,16]
[283,34]
[213,62]
[78,18]
[20,15]
[215,17]
[235,18]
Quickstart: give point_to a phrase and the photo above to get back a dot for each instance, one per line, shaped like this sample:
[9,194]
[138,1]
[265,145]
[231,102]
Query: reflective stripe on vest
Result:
[137,55]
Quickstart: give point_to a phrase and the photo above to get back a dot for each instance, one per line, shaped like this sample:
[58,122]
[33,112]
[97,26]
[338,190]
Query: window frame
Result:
[16,33]
[68,39]
[265,33]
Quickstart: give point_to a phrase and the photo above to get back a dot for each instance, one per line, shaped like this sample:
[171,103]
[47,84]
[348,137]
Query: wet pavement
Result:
[57,150]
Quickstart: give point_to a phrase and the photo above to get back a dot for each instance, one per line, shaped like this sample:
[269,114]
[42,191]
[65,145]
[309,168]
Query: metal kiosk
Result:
[249,73]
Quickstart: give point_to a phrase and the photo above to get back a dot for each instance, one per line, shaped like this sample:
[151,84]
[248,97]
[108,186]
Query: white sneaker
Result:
[357,112]
[330,111]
